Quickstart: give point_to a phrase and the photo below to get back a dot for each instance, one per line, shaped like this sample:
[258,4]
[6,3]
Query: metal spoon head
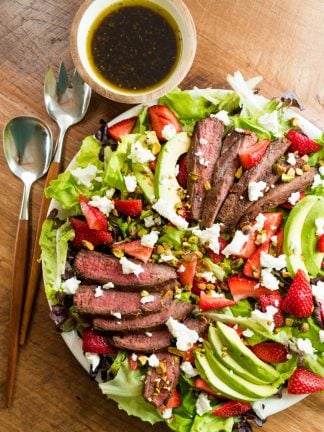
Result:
[28,146]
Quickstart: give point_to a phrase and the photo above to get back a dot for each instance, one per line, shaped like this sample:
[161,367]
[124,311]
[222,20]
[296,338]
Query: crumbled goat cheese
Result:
[265,318]
[259,222]
[134,356]
[169,132]
[93,360]
[319,223]
[130,183]
[181,269]
[108,285]
[208,276]
[317,181]
[177,170]
[270,121]
[321,336]
[167,257]
[247,333]
[235,246]
[294,198]
[255,190]
[187,368]
[165,209]
[222,116]
[104,204]
[98,291]
[69,286]
[153,360]
[147,299]
[209,236]
[271,262]
[305,346]
[150,221]
[167,413]
[321,170]
[203,404]
[199,153]
[318,291]
[149,334]
[129,267]
[291,159]
[274,239]
[203,141]
[150,239]
[139,154]
[116,315]
[110,193]
[85,175]
[268,280]
[185,336]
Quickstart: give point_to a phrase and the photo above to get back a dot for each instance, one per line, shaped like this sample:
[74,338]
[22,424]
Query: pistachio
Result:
[299,171]
[160,249]
[239,173]
[141,232]
[142,359]
[117,252]
[193,239]
[305,167]
[289,322]
[207,186]
[291,172]
[194,176]
[87,245]
[279,169]
[304,327]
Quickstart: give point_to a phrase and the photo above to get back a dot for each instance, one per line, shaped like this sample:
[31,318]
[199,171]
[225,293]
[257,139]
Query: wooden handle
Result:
[17,299]
[35,269]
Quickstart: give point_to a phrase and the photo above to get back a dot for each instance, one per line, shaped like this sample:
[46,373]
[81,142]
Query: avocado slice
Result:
[166,184]
[229,362]
[145,179]
[241,385]
[244,356]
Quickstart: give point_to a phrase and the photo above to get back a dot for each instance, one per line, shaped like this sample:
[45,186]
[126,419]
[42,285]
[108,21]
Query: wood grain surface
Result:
[282,40]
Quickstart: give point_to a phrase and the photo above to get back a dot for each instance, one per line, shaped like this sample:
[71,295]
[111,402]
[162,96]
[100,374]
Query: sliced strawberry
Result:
[280,240]
[96,342]
[232,409]
[287,205]
[121,128]
[242,287]
[252,267]
[207,302]
[249,247]
[152,164]
[133,364]
[216,258]
[135,249]
[270,352]
[189,354]
[275,300]
[182,176]
[131,207]
[188,267]
[84,234]
[250,156]
[95,218]
[162,117]
[320,243]
[203,386]
[272,223]
[301,143]
[174,400]
[303,381]
[299,298]
[196,285]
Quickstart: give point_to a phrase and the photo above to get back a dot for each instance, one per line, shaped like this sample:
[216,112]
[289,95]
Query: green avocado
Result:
[145,179]
[166,184]
[244,356]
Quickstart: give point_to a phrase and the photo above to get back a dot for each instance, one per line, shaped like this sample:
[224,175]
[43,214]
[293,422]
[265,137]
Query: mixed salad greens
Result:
[124,195]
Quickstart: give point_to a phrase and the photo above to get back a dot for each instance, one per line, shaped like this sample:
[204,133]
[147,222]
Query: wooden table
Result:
[282,40]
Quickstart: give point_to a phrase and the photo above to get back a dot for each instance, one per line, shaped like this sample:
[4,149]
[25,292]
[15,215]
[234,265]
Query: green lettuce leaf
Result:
[312,334]
[116,169]
[314,363]
[210,422]
[182,417]
[142,123]
[173,236]
[89,153]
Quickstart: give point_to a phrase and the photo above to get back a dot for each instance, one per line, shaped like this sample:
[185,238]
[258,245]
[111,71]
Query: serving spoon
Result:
[27,144]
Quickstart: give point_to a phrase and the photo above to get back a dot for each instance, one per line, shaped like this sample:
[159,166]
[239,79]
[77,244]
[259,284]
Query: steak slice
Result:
[278,195]
[157,340]
[100,268]
[162,380]
[112,301]
[176,310]
[223,177]
[204,151]
[237,201]
[200,325]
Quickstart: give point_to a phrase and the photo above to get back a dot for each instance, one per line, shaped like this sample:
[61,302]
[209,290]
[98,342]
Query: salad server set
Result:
[28,149]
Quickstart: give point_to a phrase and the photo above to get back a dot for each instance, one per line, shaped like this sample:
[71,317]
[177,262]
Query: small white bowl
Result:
[82,23]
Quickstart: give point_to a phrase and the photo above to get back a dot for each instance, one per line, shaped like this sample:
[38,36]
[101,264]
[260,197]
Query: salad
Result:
[185,250]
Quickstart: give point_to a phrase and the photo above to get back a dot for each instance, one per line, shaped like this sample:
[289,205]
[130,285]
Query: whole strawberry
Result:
[231,409]
[299,298]
[301,143]
[95,342]
[270,352]
[303,381]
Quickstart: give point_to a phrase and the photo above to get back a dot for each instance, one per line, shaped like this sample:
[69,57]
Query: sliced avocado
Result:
[223,357]
[241,385]
[244,356]
[145,180]
[166,184]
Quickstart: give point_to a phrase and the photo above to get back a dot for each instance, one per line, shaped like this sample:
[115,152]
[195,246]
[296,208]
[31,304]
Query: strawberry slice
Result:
[131,207]
[303,381]
[174,400]
[163,120]
[95,218]
[182,176]
[189,354]
[301,143]
[207,302]
[320,243]
[133,364]
[280,240]
[272,223]
[232,409]
[135,249]
[242,287]
[248,248]
[270,352]
[252,267]
[287,205]
[203,386]
[251,155]
[188,267]
[95,342]
[84,234]
[216,258]
[275,300]
[121,128]
[299,298]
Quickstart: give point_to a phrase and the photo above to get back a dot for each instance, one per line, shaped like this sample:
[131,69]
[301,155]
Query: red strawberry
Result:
[207,302]
[301,143]
[133,364]
[189,354]
[320,244]
[203,386]
[121,128]
[95,218]
[270,352]
[135,249]
[251,155]
[216,258]
[174,400]
[280,239]
[299,298]
[95,342]
[288,205]
[248,248]
[273,300]
[131,207]
[237,328]
[161,116]
[242,287]
[303,381]
[188,266]
[182,176]
[272,223]
[232,409]
[252,267]
[84,233]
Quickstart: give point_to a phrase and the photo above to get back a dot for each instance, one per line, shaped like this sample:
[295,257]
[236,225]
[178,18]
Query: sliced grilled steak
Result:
[278,195]
[237,201]
[200,325]
[202,156]
[223,177]
[161,381]
[100,268]
[148,342]
[177,310]
[112,301]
